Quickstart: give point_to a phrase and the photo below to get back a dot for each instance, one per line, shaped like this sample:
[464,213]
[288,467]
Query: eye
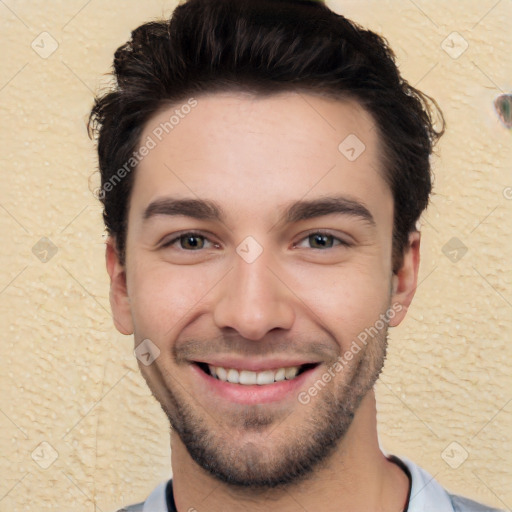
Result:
[321,240]
[189,241]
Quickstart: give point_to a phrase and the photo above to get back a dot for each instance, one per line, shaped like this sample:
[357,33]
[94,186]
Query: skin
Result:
[253,156]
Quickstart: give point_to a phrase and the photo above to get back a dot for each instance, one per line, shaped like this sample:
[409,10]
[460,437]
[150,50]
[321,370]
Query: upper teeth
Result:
[248,377]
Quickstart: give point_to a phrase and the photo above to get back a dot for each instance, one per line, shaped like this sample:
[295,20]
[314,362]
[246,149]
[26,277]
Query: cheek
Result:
[343,299]
[346,300]
[162,297]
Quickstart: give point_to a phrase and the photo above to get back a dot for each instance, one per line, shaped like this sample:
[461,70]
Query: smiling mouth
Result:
[250,378]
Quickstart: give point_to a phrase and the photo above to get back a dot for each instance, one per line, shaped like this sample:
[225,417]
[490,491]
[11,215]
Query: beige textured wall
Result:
[79,429]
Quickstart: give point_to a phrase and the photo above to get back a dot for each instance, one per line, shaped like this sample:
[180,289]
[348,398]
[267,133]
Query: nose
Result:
[254,299]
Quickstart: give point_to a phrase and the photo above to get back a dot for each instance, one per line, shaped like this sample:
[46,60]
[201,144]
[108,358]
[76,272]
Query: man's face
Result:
[254,284]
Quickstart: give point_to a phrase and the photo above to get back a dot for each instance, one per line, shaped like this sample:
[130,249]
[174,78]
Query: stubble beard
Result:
[296,453]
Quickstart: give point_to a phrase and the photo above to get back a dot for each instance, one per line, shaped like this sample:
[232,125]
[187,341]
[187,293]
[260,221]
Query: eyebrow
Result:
[203,209]
[196,208]
[304,210]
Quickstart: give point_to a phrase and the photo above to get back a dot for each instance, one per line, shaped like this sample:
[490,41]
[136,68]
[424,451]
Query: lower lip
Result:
[252,394]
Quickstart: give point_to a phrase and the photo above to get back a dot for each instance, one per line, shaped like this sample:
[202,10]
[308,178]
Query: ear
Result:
[119,300]
[405,279]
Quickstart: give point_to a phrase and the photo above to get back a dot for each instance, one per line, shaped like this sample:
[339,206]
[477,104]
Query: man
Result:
[263,168]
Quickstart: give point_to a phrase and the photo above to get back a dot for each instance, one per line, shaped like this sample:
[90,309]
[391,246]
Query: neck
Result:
[357,477]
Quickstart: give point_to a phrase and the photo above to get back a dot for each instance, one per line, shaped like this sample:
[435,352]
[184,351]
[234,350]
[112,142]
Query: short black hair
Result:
[264,47]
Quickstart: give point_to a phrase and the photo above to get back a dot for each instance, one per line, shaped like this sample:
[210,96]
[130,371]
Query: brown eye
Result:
[191,241]
[321,241]
[188,242]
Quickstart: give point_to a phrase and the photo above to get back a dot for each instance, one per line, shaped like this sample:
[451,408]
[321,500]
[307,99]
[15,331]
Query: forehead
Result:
[258,152]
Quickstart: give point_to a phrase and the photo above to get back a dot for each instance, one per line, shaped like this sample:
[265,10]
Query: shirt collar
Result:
[156,501]
[426,493]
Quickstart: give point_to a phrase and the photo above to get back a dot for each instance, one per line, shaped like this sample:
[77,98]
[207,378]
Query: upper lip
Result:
[255,365]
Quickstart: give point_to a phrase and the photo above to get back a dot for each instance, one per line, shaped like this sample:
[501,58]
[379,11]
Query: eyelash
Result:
[170,243]
[182,235]
[342,242]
